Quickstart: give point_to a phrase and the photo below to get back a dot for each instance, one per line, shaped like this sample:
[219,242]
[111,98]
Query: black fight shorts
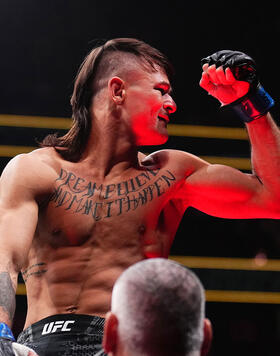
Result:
[65,335]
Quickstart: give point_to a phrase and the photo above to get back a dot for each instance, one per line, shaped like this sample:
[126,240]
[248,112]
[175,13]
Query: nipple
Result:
[142,229]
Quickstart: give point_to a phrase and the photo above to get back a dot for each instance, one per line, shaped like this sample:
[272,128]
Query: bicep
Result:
[18,217]
[227,192]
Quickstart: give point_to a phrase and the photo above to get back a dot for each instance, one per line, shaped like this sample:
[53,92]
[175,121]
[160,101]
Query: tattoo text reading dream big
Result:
[100,201]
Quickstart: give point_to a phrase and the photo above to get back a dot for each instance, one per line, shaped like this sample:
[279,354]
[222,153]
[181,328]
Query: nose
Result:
[170,105]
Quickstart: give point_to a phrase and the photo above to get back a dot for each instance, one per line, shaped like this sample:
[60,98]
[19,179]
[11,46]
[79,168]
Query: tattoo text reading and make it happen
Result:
[104,201]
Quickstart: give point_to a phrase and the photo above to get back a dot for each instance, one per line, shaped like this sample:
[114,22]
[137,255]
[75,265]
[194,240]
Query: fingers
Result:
[221,76]
[205,66]
[230,77]
[212,72]
[216,76]
[206,83]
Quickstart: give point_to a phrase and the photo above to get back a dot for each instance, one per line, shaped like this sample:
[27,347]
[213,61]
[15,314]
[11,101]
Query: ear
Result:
[116,89]
[110,336]
[208,335]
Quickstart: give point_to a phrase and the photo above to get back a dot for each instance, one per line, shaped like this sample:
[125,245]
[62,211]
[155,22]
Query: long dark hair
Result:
[73,143]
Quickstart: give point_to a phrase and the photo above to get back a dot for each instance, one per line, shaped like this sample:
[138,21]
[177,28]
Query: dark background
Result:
[42,44]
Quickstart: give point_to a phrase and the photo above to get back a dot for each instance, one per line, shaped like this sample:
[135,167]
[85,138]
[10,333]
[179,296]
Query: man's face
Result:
[148,106]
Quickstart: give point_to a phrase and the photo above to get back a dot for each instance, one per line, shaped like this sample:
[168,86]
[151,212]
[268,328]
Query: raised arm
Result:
[224,191]
[18,219]
[265,153]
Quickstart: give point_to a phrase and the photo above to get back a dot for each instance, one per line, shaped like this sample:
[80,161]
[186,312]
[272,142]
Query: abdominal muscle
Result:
[79,279]
[76,275]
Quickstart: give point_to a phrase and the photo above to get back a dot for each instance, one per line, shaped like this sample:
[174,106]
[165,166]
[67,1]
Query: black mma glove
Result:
[241,65]
[256,102]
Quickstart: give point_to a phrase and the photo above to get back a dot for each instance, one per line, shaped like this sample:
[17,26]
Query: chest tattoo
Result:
[104,201]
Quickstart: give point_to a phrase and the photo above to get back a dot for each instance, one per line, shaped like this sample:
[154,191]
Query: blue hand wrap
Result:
[254,105]
[5,332]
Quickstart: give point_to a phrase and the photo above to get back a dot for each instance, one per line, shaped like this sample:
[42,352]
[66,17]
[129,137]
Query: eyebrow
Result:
[167,85]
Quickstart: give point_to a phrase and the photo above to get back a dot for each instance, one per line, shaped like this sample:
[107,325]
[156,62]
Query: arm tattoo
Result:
[7,295]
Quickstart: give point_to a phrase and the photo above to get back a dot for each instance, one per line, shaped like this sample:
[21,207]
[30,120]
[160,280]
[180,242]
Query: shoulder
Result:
[30,170]
[181,161]
[26,163]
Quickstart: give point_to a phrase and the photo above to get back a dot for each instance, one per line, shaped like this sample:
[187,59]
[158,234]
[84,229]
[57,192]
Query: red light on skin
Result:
[150,132]
[148,106]
[153,251]
[152,255]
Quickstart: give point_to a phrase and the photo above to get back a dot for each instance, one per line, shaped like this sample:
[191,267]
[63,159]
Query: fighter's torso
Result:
[89,230]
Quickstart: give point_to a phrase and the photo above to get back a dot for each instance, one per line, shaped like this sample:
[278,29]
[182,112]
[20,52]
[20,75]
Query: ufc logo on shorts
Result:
[57,325]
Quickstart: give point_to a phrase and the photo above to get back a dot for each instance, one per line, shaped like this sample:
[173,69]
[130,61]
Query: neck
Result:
[110,148]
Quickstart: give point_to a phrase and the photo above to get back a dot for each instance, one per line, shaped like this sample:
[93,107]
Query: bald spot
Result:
[121,64]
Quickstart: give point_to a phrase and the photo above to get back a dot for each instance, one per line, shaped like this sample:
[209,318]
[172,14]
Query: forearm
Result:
[8,344]
[7,298]
[265,152]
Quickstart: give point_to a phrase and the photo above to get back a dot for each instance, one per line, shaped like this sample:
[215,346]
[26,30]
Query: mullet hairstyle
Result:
[73,143]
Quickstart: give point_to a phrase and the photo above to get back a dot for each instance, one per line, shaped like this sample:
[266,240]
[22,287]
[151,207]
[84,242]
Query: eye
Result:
[163,91]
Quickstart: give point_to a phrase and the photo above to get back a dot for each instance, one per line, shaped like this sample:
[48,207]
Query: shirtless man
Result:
[77,213]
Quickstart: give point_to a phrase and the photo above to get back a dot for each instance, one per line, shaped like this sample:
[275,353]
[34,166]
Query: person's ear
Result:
[208,335]
[116,89]
[110,336]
